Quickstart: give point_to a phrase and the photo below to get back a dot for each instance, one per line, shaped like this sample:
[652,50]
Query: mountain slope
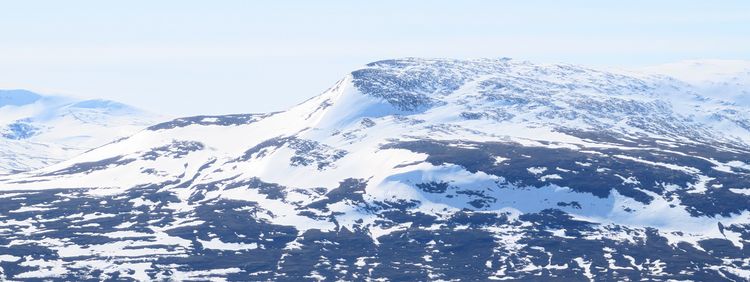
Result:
[722,79]
[409,169]
[36,130]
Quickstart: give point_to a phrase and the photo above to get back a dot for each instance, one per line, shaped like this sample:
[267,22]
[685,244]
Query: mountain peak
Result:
[38,130]
[18,97]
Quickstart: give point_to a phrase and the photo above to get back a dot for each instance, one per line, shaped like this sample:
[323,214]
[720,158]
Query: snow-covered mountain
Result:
[410,169]
[723,79]
[36,130]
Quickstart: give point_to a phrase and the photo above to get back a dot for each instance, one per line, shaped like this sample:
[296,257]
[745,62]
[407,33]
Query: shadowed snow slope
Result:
[410,169]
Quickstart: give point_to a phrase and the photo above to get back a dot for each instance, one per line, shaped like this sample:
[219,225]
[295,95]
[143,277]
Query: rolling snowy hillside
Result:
[723,79]
[411,169]
[36,130]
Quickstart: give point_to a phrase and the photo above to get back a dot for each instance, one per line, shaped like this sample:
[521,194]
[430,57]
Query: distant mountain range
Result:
[411,170]
[37,130]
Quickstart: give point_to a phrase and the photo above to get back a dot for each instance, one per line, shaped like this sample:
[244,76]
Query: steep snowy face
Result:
[37,131]
[410,169]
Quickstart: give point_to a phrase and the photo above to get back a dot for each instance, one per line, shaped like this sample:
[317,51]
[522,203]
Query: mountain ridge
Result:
[415,169]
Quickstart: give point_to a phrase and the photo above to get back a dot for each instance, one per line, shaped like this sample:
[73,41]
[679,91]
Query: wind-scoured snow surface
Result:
[37,131]
[410,170]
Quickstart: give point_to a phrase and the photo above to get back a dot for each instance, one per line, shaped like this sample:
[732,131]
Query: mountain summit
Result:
[38,130]
[409,169]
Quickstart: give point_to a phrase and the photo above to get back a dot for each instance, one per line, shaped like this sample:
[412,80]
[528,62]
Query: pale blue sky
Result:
[215,57]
